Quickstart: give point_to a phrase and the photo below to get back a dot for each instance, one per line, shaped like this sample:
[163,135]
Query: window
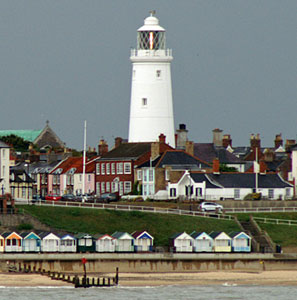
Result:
[270,193]
[54,179]
[145,175]
[167,175]
[113,168]
[80,177]
[139,175]
[23,192]
[158,73]
[119,168]
[236,193]
[151,175]
[121,188]
[127,168]
[127,187]
[189,190]
[108,169]
[173,192]
[198,192]
[89,178]
[58,179]
[114,187]
[144,101]
[288,192]
[98,188]
[102,169]
[102,187]
[97,169]
[107,187]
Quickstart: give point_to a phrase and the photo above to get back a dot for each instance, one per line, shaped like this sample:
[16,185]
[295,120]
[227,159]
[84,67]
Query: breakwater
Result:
[70,263]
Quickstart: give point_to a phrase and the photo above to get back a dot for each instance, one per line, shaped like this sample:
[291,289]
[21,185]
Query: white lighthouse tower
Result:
[151,110]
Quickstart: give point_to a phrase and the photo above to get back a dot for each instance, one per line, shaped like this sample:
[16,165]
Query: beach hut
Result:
[31,242]
[124,241]
[221,241]
[67,243]
[105,243]
[50,242]
[202,242]
[13,242]
[181,242]
[241,242]
[143,241]
[2,243]
[85,242]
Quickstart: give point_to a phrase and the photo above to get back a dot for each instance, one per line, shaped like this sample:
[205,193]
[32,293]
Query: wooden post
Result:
[117,276]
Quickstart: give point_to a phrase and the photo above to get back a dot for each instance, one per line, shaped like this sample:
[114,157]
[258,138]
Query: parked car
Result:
[85,198]
[37,198]
[52,197]
[108,197]
[211,206]
[68,197]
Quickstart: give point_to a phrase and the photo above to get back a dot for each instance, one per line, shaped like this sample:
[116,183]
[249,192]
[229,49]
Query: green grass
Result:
[93,221]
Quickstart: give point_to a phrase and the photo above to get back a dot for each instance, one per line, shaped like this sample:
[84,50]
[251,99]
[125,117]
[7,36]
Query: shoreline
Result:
[231,278]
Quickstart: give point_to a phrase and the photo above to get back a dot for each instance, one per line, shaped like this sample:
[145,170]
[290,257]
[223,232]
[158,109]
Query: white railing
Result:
[260,209]
[136,208]
[275,221]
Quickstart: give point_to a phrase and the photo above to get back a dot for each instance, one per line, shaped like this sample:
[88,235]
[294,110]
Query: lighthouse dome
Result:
[151,23]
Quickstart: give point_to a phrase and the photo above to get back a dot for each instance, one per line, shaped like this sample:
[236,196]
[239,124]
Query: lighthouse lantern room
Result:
[151,107]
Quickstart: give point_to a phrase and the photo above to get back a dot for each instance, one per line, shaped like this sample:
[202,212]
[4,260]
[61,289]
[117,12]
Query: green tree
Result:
[18,143]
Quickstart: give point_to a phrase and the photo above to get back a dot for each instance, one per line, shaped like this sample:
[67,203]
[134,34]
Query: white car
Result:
[211,206]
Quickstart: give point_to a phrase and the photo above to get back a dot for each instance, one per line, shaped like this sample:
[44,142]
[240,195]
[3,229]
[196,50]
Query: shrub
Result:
[25,226]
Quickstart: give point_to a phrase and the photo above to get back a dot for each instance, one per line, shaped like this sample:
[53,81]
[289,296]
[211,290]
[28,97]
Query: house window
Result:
[58,179]
[139,175]
[23,192]
[236,193]
[98,188]
[189,190]
[145,175]
[80,177]
[108,169]
[54,179]
[167,175]
[127,168]
[107,187]
[119,168]
[270,193]
[144,101]
[98,169]
[127,187]
[151,175]
[198,192]
[114,187]
[89,178]
[113,168]
[102,187]
[288,192]
[173,192]
[102,169]
[121,188]
[158,73]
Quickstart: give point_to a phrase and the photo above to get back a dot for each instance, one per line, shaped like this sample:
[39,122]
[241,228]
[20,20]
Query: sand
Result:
[284,278]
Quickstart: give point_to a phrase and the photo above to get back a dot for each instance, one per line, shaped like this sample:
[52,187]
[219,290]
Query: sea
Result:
[184,292]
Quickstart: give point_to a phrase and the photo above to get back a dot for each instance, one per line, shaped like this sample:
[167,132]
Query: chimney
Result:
[278,141]
[190,147]
[182,137]
[102,147]
[155,150]
[217,137]
[255,141]
[289,144]
[227,141]
[263,167]
[216,166]
[268,155]
[117,142]
[162,138]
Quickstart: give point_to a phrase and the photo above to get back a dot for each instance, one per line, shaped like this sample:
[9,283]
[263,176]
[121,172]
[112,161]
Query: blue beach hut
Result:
[143,241]
[202,242]
[241,242]
[31,242]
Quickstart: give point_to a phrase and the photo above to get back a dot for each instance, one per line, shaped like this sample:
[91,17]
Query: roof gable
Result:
[142,235]
[122,235]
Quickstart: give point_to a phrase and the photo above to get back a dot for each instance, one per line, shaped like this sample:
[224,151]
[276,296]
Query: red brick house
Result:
[115,169]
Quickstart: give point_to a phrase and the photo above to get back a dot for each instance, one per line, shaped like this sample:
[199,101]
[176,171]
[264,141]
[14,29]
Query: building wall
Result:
[4,170]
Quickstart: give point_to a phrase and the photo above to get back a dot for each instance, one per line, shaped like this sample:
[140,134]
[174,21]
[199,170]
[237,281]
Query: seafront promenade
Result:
[150,262]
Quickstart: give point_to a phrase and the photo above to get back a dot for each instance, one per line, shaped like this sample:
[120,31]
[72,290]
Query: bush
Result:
[25,226]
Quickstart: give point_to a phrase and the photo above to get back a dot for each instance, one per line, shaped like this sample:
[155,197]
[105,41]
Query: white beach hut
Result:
[222,241]
[50,242]
[202,242]
[67,243]
[143,241]
[241,242]
[124,242]
[31,242]
[105,243]
[181,242]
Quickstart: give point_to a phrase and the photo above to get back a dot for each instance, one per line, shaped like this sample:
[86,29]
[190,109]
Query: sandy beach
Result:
[156,279]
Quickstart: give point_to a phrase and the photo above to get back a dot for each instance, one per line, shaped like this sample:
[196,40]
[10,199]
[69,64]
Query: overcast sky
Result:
[234,67]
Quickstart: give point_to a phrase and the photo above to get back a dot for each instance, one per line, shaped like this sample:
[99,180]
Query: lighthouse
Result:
[151,105]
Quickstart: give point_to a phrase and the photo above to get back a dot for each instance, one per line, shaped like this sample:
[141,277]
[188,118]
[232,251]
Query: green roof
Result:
[27,135]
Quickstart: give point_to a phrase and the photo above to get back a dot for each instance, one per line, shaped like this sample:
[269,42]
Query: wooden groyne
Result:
[78,281]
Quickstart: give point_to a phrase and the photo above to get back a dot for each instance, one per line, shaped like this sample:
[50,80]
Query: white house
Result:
[4,168]
[105,243]
[218,186]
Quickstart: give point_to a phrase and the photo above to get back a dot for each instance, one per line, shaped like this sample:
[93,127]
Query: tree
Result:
[18,143]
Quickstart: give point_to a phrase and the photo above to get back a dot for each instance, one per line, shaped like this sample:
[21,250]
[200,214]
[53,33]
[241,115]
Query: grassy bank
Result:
[94,221]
